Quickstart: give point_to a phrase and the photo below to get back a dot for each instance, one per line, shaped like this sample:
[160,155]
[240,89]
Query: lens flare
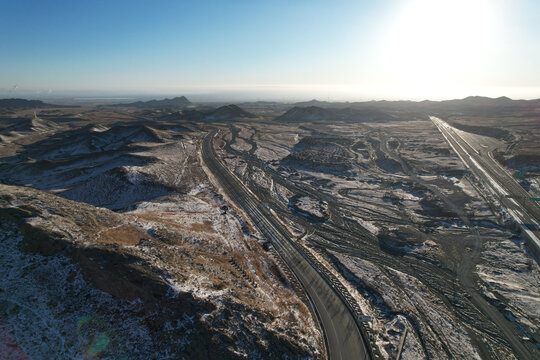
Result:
[98,338]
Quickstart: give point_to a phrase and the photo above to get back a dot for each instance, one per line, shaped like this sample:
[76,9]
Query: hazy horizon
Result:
[287,51]
[237,96]
[397,216]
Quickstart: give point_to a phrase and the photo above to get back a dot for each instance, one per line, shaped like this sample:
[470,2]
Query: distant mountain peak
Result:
[486,99]
[176,102]
[315,113]
[301,114]
[226,112]
[312,102]
[21,104]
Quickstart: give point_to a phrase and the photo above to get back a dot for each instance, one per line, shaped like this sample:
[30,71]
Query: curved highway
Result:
[342,334]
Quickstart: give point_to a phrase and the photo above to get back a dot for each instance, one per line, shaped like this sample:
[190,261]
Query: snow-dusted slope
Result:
[173,279]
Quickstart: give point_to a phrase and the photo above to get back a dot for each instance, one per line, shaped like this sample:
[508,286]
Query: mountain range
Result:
[315,113]
[227,112]
[177,102]
[470,104]
[23,104]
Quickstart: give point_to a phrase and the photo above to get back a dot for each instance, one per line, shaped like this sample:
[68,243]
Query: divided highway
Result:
[515,200]
[510,194]
[342,334]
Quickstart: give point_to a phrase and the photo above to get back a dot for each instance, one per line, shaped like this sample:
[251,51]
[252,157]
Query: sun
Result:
[430,44]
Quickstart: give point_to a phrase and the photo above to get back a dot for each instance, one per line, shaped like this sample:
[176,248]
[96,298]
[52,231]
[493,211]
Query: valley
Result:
[209,230]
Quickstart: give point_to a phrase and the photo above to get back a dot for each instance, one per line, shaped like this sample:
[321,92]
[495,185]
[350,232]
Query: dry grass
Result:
[122,235]
[206,226]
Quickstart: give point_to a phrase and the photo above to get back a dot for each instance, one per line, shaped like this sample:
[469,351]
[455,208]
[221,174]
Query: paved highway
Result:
[513,198]
[342,334]
[502,185]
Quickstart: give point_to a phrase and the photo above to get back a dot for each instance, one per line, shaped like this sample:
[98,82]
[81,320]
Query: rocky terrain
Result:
[118,243]
[174,272]
[408,231]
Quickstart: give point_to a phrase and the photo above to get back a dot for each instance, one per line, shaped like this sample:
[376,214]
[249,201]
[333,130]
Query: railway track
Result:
[344,336]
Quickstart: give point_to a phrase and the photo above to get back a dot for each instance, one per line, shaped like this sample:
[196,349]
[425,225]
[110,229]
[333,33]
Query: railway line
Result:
[344,337]
[453,283]
[348,237]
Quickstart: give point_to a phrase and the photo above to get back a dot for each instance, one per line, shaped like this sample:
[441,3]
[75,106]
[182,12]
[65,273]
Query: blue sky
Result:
[328,49]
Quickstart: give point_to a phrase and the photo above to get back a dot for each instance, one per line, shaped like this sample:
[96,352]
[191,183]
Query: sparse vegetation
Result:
[154,259]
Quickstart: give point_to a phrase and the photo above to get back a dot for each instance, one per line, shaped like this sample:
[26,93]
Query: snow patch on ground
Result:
[408,296]
[510,273]
[387,332]
[241,145]
[67,312]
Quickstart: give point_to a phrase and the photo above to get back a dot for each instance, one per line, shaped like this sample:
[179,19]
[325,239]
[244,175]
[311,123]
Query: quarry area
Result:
[120,240]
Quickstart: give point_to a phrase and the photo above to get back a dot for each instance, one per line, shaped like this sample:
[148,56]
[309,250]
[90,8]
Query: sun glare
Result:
[437,43]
